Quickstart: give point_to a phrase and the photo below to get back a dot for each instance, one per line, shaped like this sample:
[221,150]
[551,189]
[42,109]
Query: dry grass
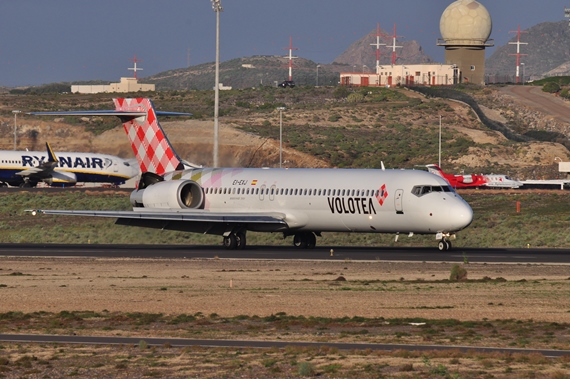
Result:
[282,300]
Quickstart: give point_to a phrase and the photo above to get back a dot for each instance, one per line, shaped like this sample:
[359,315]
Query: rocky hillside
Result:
[362,53]
[258,71]
[547,52]
[321,127]
[249,72]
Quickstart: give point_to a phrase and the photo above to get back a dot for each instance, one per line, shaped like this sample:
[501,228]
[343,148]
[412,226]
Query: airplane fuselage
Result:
[17,167]
[355,200]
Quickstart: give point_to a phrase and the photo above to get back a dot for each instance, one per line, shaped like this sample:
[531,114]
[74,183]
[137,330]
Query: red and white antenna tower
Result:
[394,47]
[378,44]
[291,57]
[135,68]
[518,54]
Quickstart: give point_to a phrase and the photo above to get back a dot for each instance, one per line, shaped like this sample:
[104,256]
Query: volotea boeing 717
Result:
[301,203]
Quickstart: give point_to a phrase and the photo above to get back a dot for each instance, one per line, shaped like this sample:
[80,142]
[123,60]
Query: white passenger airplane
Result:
[298,202]
[28,168]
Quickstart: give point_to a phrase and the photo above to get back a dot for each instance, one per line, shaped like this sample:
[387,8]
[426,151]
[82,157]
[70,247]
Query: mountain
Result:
[547,52]
[361,53]
[248,72]
[254,71]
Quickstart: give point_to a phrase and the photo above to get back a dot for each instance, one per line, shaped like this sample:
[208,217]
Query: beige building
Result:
[125,85]
[403,75]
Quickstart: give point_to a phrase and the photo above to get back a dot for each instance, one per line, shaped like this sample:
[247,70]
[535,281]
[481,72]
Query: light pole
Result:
[217,7]
[318,74]
[280,109]
[15,125]
[522,64]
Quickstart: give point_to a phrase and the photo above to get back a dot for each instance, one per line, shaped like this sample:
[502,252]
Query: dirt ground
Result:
[264,287]
[234,288]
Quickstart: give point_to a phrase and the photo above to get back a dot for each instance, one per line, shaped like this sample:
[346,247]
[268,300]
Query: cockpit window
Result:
[126,164]
[425,189]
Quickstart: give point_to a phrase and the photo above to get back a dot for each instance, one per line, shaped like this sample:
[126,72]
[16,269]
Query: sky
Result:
[73,40]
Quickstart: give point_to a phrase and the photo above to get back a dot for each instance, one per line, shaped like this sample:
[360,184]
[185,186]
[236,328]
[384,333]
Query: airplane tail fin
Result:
[151,147]
[435,169]
[51,155]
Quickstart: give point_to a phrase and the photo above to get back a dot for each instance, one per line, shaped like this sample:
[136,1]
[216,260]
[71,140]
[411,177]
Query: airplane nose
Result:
[462,215]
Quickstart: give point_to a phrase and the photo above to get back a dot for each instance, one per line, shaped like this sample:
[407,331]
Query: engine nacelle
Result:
[172,194]
[61,178]
[467,179]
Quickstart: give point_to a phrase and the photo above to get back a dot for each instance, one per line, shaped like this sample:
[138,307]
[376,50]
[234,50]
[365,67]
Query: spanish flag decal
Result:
[254,182]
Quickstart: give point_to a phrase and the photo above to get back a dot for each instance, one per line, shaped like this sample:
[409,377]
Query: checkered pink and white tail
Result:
[150,145]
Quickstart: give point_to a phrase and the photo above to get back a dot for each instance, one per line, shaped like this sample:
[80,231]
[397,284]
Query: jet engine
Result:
[61,178]
[467,179]
[172,194]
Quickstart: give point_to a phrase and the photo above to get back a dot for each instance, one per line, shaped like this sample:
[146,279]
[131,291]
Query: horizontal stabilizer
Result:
[106,113]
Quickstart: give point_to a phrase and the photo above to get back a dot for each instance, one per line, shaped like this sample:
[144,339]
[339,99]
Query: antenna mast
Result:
[394,47]
[135,68]
[518,54]
[378,44]
[291,57]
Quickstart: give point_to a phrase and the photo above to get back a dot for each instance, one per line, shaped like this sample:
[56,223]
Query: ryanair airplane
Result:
[302,203]
[28,168]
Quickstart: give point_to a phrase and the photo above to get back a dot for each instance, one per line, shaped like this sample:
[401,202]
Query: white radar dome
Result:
[465,22]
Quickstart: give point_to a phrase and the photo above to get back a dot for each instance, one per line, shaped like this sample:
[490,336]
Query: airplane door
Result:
[262,192]
[115,166]
[398,201]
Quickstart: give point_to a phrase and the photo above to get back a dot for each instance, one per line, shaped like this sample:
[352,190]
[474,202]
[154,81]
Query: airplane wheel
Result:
[230,242]
[448,243]
[311,240]
[442,245]
[240,241]
[300,240]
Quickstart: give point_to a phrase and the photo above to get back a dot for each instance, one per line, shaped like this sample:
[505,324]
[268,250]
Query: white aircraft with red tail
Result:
[301,203]
[475,181]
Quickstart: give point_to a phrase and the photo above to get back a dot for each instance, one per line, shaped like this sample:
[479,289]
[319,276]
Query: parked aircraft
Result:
[301,203]
[473,181]
[28,168]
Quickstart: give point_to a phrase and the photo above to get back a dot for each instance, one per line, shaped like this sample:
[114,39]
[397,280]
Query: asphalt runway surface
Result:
[418,254]
[183,342]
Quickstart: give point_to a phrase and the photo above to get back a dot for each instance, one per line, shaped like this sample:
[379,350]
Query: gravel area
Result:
[310,288]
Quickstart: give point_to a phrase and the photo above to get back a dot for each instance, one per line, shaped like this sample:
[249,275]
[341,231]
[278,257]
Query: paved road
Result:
[558,256]
[535,98]
[182,342]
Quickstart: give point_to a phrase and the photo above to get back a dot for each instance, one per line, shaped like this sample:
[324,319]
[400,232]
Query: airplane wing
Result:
[44,169]
[274,220]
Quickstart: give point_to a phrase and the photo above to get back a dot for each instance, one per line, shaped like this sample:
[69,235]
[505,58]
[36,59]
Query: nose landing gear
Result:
[444,245]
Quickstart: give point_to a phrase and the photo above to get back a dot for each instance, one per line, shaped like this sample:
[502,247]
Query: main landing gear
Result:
[444,245]
[304,240]
[235,241]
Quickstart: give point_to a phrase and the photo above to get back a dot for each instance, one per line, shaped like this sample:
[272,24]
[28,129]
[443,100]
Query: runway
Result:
[183,342]
[418,254]
[429,254]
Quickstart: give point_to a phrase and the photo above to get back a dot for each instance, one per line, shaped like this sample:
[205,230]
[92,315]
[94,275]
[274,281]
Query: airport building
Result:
[403,75]
[465,27]
[125,85]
